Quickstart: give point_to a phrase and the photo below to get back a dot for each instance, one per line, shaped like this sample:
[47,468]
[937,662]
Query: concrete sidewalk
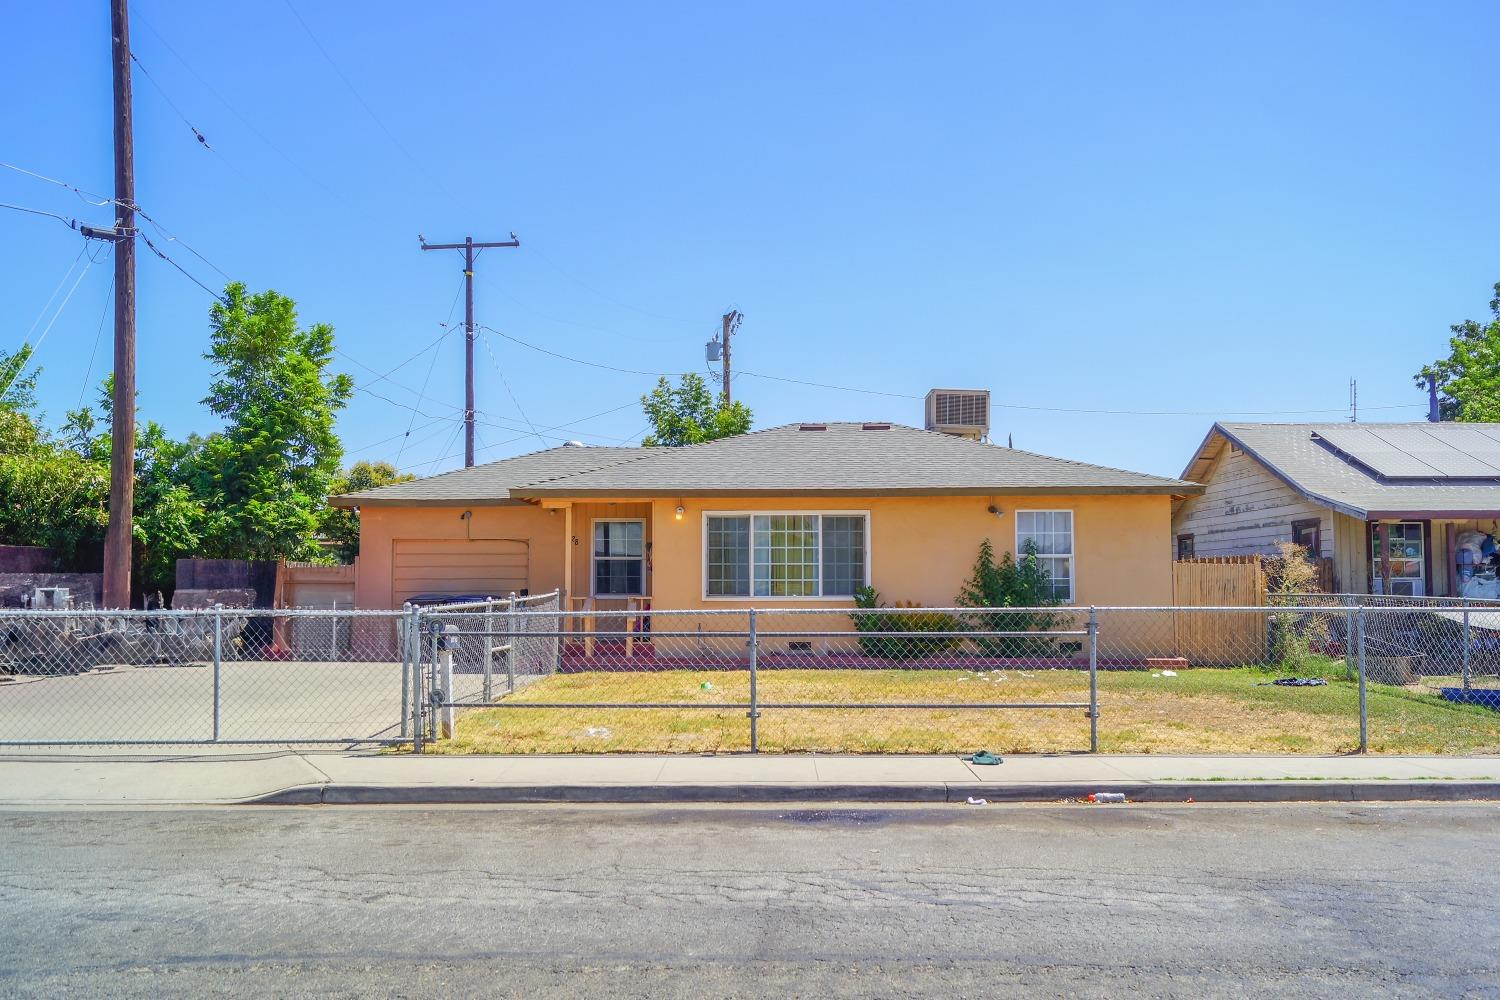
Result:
[310,777]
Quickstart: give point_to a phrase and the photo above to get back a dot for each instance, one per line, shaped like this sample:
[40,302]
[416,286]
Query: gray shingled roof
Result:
[491,481]
[1297,454]
[842,458]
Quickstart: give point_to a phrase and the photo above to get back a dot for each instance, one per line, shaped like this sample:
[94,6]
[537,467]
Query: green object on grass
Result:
[983,757]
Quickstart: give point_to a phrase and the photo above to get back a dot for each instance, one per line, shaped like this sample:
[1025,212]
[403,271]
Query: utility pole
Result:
[117,536]
[731,324]
[468,246]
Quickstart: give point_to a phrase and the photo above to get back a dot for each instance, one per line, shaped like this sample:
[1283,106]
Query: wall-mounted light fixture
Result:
[679,512]
[995,510]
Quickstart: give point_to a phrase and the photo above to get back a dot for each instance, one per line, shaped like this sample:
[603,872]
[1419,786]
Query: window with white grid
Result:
[1051,532]
[794,554]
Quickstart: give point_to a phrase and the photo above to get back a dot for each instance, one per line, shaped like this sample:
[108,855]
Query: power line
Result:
[997,405]
[93,198]
[85,196]
[421,167]
[61,306]
[576,361]
[70,223]
[202,139]
[506,382]
[154,249]
[99,333]
[243,120]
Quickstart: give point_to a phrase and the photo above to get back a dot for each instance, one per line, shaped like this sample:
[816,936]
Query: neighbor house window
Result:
[1309,536]
[1051,532]
[619,558]
[784,555]
[1185,547]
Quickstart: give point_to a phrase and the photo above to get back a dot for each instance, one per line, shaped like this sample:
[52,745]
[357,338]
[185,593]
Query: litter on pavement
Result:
[978,802]
[1100,798]
[983,757]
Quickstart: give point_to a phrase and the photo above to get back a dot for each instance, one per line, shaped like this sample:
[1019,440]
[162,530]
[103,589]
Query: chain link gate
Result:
[640,654]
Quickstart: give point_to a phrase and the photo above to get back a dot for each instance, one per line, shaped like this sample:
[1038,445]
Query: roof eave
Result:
[350,501]
[1165,489]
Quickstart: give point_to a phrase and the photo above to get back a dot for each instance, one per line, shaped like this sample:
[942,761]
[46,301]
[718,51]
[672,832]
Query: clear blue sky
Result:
[1225,209]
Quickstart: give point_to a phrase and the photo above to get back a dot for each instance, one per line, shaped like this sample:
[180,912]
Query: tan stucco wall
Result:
[381,527]
[921,548]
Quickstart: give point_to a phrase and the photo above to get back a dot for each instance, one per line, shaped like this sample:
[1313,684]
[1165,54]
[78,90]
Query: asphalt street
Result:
[603,902]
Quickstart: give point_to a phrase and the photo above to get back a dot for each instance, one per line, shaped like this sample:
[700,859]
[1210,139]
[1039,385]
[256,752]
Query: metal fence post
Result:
[1349,643]
[1468,645]
[754,692]
[489,649]
[513,643]
[1093,680]
[408,645]
[1364,714]
[218,667]
[564,626]
[444,710]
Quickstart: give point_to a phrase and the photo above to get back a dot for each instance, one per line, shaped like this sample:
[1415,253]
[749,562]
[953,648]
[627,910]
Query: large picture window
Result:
[1051,531]
[619,558]
[784,554]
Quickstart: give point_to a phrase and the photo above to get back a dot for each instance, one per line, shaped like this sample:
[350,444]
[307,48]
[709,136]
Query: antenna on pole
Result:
[1354,401]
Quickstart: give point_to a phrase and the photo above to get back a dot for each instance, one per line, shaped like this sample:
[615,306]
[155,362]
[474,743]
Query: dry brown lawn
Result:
[1229,710]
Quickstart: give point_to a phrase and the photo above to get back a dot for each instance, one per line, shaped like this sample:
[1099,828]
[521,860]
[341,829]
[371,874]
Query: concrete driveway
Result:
[259,700]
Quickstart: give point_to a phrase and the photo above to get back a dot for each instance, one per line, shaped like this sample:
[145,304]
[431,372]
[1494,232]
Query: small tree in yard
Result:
[690,414]
[1291,576]
[1009,583]
[274,462]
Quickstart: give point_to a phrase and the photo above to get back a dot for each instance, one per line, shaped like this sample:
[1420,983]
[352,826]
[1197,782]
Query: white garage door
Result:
[491,566]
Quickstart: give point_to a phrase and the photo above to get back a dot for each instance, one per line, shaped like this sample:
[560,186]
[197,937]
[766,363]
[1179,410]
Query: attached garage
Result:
[491,566]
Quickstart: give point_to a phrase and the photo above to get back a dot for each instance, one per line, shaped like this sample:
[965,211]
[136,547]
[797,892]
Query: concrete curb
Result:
[1173,791]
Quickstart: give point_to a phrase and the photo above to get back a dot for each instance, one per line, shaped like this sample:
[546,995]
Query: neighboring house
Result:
[799,515]
[1427,494]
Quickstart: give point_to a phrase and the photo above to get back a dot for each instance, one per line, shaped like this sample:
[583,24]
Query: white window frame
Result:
[703,561]
[1072,555]
[594,558]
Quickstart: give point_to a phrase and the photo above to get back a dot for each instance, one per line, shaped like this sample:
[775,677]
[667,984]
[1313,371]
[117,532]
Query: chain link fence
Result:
[1418,677]
[526,675]
[217,675]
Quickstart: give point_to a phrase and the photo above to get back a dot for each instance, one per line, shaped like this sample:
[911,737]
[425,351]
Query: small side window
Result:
[1184,546]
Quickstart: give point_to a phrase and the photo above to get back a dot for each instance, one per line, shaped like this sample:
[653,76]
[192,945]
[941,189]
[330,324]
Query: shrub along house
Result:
[794,516]
[1404,509]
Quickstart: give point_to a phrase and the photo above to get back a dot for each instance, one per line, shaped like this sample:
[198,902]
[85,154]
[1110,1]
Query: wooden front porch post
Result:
[1382,546]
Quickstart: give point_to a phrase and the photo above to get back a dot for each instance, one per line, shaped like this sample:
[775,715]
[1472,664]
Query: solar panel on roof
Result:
[1421,452]
[1369,450]
[1442,449]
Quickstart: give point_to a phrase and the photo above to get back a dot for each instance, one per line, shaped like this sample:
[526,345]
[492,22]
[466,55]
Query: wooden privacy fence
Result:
[1219,637]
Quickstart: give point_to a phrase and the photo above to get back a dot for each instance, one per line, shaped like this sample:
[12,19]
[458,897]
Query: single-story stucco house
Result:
[793,516]
[1426,494]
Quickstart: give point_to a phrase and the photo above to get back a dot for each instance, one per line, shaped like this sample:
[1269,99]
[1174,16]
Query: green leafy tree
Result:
[689,414]
[56,498]
[17,390]
[18,429]
[1009,582]
[1468,380]
[341,526]
[271,468]
[170,517]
